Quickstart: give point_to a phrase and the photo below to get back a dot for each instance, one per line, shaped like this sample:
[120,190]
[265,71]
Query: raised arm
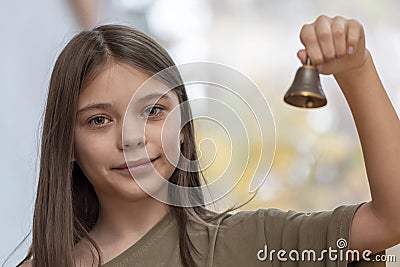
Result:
[337,45]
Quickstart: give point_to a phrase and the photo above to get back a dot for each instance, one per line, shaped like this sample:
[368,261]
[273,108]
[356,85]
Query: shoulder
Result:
[27,263]
[246,218]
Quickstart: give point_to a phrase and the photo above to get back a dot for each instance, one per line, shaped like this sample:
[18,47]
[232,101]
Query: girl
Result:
[89,212]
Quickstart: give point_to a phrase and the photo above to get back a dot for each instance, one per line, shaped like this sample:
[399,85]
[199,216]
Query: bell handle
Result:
[308,61]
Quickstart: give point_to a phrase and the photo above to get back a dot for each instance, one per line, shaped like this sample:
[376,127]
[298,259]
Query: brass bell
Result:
[306,91]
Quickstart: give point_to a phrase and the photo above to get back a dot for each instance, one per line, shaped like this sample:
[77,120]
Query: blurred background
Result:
[318,161]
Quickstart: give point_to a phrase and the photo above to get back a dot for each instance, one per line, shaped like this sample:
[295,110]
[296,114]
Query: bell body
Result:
[306,91]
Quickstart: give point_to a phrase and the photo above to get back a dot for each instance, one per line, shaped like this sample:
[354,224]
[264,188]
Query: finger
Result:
[302,55]
[325,39]
[354,35]
[310,42]
[339,33]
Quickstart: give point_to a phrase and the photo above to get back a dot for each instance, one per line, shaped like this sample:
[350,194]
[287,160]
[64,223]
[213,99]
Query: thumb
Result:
[302,55]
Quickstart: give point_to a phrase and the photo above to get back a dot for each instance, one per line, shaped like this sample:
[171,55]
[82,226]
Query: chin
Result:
[148,188]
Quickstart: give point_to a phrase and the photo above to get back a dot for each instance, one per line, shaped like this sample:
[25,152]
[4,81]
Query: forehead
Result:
[118,83]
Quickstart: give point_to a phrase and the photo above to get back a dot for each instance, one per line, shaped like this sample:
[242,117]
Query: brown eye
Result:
[98,121]
[153,111]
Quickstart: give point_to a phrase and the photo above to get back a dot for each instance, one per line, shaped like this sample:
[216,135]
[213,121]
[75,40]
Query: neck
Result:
[120,219]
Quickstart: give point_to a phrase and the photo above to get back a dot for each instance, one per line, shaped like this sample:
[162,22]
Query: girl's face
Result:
[148,134]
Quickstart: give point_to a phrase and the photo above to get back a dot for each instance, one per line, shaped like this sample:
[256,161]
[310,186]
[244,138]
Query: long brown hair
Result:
[66,206]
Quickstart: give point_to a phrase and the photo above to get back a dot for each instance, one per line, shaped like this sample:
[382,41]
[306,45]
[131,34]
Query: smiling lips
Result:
[136,167]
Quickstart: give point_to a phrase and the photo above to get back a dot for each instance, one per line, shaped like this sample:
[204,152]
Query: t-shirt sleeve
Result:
[312,239]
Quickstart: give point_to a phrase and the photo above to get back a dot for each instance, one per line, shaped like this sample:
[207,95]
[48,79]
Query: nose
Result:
[131,141]
[131,137]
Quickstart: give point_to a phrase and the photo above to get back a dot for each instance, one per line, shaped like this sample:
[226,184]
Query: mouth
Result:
[137,170]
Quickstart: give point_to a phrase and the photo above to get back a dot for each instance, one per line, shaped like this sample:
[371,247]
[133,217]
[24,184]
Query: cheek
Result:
[167,141]
[171,148]
[91,152]
[169,138]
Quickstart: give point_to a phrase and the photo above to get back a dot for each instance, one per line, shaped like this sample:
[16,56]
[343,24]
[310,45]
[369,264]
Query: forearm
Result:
[378,128]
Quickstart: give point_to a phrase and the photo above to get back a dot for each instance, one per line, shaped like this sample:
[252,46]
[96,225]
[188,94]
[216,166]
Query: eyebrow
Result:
[155,96]
[109,105]
[94,106]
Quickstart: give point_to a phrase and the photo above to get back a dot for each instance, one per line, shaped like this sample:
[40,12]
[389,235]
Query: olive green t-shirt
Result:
[300,237]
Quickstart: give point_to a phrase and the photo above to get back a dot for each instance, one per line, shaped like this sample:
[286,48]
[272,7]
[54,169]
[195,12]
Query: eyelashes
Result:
[155,108]
[92,122]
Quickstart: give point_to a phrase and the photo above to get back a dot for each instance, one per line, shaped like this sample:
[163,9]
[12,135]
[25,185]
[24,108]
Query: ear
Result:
[181,136]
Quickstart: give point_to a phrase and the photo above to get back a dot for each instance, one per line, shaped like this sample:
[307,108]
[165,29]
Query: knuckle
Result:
[307,34]
[338,18]
[338,32]
[324,34]
[353,21]
[322,18]
[305,29]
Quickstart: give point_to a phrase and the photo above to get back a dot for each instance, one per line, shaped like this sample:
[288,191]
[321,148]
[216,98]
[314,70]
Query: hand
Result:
[335,45]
